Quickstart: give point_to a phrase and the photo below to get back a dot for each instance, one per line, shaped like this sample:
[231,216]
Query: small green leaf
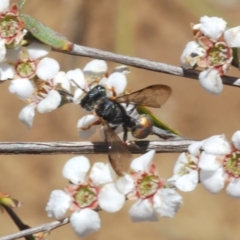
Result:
[156,122]
[45,34]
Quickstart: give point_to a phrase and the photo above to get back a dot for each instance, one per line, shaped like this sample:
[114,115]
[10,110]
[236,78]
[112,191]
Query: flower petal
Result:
[117,81]
[47,68]
[232,37]
[77,95]
[212,27]
[210,162]
[78,77]
[125,184]
[191,54]
[85,222]
[95,67]
[3,50]
[22,87]
[183,159]
[236,140]
[213,181]
[4,5]
[233,188]
[166,202]
[62,79]
[110,199]
[217,145]
[50,103]
[194,148]
[84,123]
[7,71]
[141,164]
[187,182]
[101,173]
[122,69]
[211,81]
[27,114]
[75,169]
[58,204]
[38,50]
[142,211]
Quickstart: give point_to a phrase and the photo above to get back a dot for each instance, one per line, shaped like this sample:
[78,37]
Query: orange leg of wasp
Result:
[98,122]
[114,94]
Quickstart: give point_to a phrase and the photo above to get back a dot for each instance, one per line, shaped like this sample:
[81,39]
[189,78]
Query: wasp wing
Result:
[151,96]
[118,153]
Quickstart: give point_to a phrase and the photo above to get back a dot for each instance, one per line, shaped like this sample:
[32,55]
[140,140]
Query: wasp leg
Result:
[114,94]
[98,122]
[125,135]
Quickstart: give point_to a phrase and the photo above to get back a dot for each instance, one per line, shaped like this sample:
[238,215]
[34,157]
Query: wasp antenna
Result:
[78,85]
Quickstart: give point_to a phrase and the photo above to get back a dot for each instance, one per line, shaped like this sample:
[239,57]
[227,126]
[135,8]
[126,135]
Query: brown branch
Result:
[142,63]
[90,147]
[42,228]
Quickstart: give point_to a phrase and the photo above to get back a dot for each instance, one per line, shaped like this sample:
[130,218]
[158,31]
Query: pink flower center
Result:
[85,196]
[231,164]
[218,54]
[147,185]
[26,68]
[8,26]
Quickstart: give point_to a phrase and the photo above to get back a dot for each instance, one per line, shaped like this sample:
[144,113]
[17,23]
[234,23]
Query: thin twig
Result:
[42,228]
[17,220]
[142,63]
[90,147]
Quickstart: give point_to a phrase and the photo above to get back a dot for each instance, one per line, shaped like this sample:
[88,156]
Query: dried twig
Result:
[161,146]
[42,228]
[142,63]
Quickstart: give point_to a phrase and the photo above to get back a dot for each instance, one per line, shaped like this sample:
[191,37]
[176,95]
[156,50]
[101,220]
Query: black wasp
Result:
[110,111]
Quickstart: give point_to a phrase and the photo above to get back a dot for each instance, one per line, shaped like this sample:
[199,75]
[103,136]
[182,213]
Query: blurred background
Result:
[156,30]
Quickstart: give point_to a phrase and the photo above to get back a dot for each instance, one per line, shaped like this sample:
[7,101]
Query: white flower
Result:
[43,95]
[85,195]
[26,68]
[185,171]
[211,50]
[219,164]
[144,184]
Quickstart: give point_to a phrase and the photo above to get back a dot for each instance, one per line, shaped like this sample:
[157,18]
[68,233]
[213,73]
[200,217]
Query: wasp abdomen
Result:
[143,127]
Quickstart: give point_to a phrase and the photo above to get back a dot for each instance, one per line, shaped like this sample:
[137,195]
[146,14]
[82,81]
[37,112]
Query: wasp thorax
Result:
[143,127]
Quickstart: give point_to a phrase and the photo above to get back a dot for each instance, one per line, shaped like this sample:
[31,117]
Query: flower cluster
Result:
[89,192]
[38,81]
[211,49]
[213,162]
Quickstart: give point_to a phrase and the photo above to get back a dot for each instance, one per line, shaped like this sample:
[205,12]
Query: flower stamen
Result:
[231,164]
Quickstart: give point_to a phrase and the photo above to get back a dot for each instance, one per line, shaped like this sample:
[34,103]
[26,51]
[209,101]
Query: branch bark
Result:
[79,50]
[42,228]
[161,146]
